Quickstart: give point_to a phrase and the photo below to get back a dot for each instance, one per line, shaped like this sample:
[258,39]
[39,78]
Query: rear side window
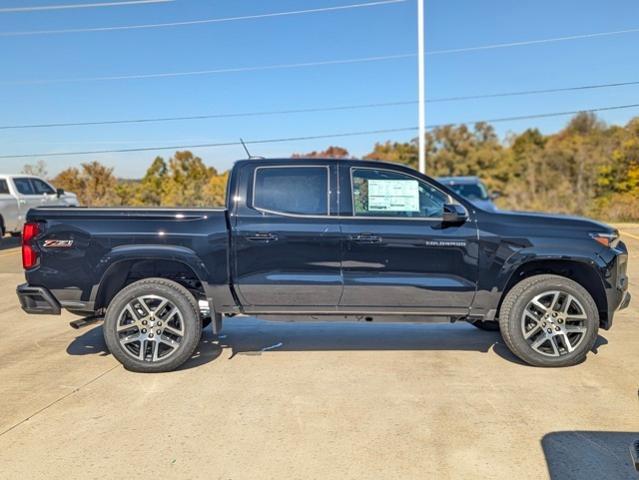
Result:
[23,186]
[292,190]
[4,187]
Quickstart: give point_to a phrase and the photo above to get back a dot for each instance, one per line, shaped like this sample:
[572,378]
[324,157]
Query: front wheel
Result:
[549,321]
[153,325]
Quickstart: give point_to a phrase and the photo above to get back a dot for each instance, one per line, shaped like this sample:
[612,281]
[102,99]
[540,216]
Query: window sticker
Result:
[393,196]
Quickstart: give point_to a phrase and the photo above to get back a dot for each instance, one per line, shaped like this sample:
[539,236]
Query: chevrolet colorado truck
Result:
[325,239]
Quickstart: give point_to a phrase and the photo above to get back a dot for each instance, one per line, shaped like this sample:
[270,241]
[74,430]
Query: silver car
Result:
[20,193]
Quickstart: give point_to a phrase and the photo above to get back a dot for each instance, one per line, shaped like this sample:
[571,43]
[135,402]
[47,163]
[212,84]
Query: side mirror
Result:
[59,192]
[454,213]
[495,195]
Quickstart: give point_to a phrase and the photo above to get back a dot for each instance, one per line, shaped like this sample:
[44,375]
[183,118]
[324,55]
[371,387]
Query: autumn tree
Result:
[94,184]
[330,152]
[38,169]
[405,153]
[186,180]
[153,187]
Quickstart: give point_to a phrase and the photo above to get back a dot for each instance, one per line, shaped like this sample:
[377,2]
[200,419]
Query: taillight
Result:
[29,254]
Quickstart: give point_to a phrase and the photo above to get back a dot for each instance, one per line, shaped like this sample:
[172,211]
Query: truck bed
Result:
[95,243]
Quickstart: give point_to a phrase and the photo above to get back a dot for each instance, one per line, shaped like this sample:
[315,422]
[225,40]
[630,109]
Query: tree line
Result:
[587,168]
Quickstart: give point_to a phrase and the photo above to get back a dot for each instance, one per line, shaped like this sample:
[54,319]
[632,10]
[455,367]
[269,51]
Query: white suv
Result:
[19,193]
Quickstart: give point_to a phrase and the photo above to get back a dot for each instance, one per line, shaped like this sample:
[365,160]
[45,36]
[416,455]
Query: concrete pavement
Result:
[330,401]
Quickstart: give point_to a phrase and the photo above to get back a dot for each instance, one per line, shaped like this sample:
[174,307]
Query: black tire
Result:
[519,298]
[488,325]
[190,321]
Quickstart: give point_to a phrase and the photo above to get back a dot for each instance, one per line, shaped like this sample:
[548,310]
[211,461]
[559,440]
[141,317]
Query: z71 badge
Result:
[57,243]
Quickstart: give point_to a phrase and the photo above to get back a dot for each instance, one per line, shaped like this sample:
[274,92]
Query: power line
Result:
[531,92]
[204,21]
[209,116]
[532,42]
[541,115]
[220,144]
[318,137]
[213,71]
[311,109]
[79,5]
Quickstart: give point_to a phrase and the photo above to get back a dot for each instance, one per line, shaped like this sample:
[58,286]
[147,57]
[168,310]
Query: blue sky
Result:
[365,32]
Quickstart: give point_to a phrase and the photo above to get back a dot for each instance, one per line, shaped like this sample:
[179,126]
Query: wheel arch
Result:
[124,268]
[582,272]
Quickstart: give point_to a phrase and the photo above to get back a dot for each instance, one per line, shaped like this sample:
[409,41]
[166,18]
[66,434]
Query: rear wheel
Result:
[549,321]
[153,325]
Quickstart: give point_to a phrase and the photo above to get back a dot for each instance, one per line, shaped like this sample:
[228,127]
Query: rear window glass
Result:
[23,186]
[4,187]
[294,190]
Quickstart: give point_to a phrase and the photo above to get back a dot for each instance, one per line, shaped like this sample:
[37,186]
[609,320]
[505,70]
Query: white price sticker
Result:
[393,196]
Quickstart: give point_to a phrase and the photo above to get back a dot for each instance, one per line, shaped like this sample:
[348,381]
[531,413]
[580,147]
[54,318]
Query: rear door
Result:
[398,255]
[286,242]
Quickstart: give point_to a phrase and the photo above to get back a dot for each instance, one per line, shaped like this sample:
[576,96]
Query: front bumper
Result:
[37,300]
[616,283]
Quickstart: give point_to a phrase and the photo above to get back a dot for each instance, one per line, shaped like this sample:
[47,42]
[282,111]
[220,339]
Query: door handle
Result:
[366,238]
[262,237]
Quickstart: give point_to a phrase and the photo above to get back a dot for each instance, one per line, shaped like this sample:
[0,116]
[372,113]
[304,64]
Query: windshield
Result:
[471,191]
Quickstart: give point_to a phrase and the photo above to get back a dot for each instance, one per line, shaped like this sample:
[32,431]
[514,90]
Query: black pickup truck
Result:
[331,239]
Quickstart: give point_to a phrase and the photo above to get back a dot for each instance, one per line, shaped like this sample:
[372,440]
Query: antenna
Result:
[250,157]
[248,154]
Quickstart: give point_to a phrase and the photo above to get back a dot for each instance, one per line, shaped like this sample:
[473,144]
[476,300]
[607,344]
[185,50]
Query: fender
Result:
[109,263]
[492,288]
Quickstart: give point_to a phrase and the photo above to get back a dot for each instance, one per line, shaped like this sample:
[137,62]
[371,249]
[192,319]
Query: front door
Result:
[398,255]
[286,243]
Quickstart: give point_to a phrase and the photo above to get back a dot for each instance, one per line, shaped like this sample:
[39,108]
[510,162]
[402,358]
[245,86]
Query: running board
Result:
[84,322]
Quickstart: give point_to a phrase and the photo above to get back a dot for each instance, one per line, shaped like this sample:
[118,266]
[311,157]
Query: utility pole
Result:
[422,86]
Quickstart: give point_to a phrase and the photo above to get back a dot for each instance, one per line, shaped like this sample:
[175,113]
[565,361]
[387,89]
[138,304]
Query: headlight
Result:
[606,239]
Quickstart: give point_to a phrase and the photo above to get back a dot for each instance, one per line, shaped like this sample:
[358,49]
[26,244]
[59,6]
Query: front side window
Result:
[292,190]
[384,193]
[23,186]
[42,187]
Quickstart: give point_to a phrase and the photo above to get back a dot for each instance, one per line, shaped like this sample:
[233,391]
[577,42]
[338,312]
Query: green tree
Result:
[151,190]
[186,180]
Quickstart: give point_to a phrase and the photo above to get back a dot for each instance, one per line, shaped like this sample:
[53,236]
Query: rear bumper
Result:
[37,300]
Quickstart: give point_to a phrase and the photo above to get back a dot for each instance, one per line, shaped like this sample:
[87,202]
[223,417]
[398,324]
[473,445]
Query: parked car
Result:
[472,189]
[331,239]
[19,193]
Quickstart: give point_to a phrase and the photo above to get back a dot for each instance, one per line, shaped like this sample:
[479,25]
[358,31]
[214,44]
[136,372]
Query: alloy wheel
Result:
[554,323]
[150,328]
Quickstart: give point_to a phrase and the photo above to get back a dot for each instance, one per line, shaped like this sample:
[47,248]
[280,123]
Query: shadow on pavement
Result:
[91,342]
[252,336]
[9,242]
[581,455]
